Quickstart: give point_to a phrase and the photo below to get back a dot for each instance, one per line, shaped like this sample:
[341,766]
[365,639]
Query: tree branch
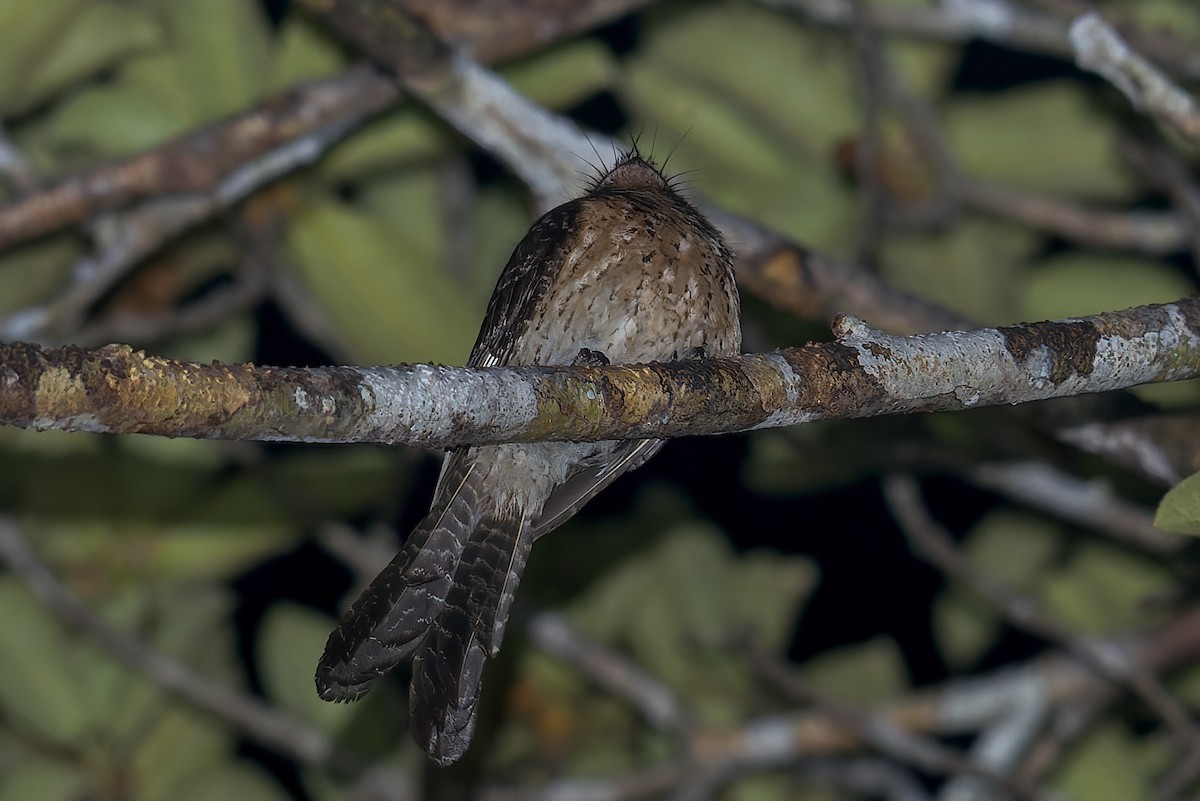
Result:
[202,159]
[1110,661]
[1006,24]
[1100,49]
[864,373]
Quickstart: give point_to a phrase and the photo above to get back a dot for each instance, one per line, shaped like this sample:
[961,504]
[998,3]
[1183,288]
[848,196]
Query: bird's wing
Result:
[570,496]
[522,284]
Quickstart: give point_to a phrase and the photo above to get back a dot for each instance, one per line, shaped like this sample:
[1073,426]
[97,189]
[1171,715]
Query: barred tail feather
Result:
[385,624]
[448,666]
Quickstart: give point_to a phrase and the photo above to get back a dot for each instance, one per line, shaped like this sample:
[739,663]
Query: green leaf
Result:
[973,267]
[41,778]
[341,482]
[29,32]
[1082,284]
[35,273]
[1171,395]
[1104,767]
[927,66]
[39,690]
[499,216]
[763,788]
[1103,590]
[217,61]
[1014,546]
[1072,153]
[1179,17]
[169,747]
[229,780]
[213,60]
[380,277]
[231,341]
[563,75]
[212,551]
[770,624]
[859,674]
[101,36]
[189,624]
[678,604]
[304,52]
[403,137]
[1179,510]
[104,122]
[712,72]
[130,512]
[180,750]
[289,644]
[739,52]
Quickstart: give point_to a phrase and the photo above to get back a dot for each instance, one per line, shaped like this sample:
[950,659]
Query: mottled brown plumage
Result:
[630,272]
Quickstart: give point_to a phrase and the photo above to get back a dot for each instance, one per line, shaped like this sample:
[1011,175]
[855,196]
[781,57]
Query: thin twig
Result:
[1004,23]
[1165,169]
[260,722]
[656,702]
[882,734]
[871,68]
[1101,49]
[15,168]
[866,777]
[1153,232]
[1115,664]
[1162,447]
[127,237]
[1087,503]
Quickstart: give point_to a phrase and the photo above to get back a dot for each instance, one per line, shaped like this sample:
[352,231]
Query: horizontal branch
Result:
[864,373]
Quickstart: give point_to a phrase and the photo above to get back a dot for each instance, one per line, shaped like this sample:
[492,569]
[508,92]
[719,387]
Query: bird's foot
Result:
[590,358]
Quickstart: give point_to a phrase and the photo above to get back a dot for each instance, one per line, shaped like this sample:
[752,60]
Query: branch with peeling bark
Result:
[863,373]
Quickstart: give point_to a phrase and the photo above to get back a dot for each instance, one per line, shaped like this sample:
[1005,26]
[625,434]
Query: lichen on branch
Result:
[862,373]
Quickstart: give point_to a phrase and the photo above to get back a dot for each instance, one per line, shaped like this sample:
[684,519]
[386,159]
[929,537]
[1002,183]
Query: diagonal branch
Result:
[204,158]
[1100,49]
[864,373]
[543,148]
[200,160]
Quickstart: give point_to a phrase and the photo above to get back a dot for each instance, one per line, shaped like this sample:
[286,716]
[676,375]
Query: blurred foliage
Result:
[394,245]
[1179,510]
[84,726]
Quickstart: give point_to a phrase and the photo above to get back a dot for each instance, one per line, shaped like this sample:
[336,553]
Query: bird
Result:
[630,272]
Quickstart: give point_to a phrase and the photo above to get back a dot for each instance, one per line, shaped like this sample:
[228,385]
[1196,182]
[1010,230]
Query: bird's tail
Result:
[448,665]
[387,622]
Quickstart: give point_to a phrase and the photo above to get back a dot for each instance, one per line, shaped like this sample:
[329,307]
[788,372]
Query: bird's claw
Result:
[590,358]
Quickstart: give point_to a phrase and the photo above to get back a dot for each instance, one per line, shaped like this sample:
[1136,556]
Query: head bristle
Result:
[632,171]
